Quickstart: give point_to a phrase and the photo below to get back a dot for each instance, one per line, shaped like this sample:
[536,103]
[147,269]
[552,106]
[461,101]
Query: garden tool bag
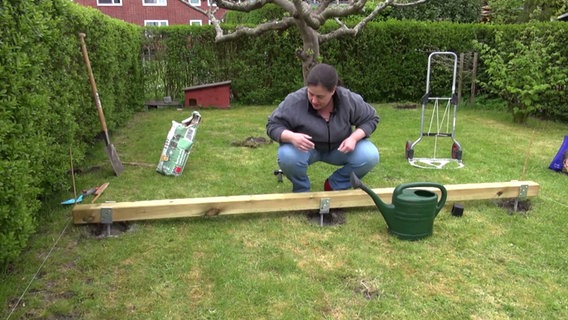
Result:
[177,147]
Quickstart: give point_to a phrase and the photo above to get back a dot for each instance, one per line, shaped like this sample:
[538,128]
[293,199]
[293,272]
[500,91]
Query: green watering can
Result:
[412,212]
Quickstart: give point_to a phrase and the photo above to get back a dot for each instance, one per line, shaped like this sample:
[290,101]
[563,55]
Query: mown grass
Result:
[489,264]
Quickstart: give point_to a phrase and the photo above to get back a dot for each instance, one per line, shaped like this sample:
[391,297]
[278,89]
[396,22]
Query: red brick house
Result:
[153,12]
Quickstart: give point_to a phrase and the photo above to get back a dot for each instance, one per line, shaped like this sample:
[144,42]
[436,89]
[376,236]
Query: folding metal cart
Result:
[444,105]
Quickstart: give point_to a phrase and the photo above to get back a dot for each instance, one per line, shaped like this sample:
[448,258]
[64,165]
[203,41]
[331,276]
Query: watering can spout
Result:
[387,211]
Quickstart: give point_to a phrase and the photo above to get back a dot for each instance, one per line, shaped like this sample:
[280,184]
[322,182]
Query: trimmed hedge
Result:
[46,104]
[386,62]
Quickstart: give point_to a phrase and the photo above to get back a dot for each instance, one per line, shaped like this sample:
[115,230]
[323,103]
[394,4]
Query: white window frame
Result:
[109,4]
[160,23]
[159,3]
[195,22]
[196,3]
[211,4]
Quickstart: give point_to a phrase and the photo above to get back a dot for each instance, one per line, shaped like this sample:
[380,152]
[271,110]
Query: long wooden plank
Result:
[279,202]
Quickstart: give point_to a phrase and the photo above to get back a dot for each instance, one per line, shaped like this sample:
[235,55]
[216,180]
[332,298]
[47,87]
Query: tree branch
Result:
[344,30]
[286,5]
[322,6]
[301,13]
[407,4]
[244,6]
[282,24]
[342,11]
[209,14]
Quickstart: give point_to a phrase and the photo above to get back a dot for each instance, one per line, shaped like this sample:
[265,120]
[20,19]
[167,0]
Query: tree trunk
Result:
[309,54]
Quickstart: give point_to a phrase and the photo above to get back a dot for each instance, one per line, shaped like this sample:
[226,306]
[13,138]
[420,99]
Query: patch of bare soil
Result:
[514,206]
[334,217]
[368,290]
[252,142]
[115,229]
[406,106]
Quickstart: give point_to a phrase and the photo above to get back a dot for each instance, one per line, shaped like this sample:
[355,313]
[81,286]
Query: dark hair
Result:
[323,74]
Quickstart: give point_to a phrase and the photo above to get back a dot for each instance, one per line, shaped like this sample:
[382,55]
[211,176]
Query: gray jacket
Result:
[296,114]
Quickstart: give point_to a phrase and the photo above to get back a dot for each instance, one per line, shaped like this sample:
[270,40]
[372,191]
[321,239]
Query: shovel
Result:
[111,151]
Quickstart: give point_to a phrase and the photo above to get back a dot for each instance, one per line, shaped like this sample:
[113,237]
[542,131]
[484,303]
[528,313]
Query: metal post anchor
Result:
[324,209]
[523,190]
[106,219]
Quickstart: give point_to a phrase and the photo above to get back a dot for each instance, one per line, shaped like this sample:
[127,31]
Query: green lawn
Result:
[489,264]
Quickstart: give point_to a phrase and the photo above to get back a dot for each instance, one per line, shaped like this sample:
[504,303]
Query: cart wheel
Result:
[456,152]
[409,154]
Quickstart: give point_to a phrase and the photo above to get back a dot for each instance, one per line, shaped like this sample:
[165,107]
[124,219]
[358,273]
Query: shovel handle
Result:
[100,191]
[94,87]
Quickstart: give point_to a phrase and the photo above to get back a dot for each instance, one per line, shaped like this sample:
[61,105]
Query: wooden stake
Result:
[279,202]
[460,77]
[100,191]
[527,155]
[73,174]
[473,77]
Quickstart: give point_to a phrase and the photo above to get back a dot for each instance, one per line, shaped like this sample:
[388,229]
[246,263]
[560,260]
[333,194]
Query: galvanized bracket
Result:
[106,219]
[106,215]
[523,192]
[324,208]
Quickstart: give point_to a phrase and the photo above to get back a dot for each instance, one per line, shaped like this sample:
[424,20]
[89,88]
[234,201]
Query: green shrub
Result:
[266,13]
[462,11]
[46,109]
[523,71]
[24,114]
[386,61]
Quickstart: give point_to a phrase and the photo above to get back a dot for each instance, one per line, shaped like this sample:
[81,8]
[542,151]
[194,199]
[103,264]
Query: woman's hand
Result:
[302,141]
[347,145]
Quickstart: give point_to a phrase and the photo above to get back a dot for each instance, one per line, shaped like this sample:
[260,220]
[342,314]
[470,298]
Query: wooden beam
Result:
[280,202]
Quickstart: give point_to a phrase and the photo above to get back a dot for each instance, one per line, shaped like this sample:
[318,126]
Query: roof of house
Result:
[208,85]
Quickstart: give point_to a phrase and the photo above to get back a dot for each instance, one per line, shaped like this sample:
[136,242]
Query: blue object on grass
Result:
[72,201]
[557,163]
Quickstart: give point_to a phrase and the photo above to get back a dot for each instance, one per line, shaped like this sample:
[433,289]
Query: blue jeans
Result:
[294,164]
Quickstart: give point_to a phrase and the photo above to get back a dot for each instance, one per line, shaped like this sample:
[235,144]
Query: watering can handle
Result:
[441,201]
